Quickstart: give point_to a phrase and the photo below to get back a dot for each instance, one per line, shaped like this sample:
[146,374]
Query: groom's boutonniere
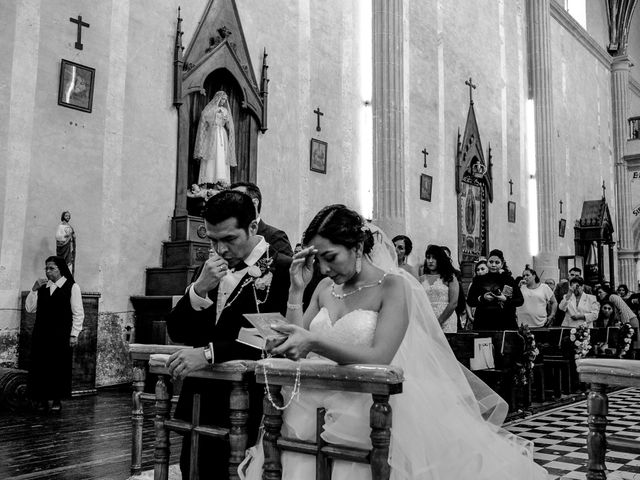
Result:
[261,271]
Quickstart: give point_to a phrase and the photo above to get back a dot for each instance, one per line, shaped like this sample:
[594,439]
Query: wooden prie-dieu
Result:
[381,381]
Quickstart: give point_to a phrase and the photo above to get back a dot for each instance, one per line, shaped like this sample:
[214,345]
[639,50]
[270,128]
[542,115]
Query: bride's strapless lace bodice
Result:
[355,328]
[438,293]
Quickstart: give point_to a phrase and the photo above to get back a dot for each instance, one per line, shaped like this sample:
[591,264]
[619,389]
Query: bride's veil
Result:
[429,364]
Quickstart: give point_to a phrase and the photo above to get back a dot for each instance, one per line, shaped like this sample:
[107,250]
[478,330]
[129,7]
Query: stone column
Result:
[619,102]
[540,48]
[388,127]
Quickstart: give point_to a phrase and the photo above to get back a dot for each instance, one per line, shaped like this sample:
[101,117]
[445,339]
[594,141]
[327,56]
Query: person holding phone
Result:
[495,296]
[580,307]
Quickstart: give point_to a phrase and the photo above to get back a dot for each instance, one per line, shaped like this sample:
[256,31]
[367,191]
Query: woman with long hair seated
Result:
[368,310]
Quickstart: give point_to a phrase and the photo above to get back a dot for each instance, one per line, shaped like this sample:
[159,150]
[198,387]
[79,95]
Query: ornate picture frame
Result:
[318,156]
[511,212]
[426,185]
[76,86]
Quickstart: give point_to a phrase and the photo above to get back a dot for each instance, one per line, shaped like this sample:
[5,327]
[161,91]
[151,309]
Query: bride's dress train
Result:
[442,428]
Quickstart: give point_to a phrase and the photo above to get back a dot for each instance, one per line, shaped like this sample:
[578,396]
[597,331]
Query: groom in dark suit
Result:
[243,275]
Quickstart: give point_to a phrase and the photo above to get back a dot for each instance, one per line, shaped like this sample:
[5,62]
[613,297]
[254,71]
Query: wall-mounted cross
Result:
[471,86]
[80,24]
[510,186]
[319,114]
[561,203]
[425,153]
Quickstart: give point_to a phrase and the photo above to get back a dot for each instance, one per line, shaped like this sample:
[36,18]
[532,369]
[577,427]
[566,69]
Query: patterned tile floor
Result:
[559,436]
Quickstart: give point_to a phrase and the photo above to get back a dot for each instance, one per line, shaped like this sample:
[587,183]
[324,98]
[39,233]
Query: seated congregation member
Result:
[243,275]
[495,296]
[538,299]
[442,287]
[607,316]
[275,237]
[404,247]
[623,312]
[370,311]
[579,307]
[57,303]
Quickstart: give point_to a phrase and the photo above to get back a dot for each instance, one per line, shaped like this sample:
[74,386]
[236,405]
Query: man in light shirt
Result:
[580,307]
[243,275]
[57,303]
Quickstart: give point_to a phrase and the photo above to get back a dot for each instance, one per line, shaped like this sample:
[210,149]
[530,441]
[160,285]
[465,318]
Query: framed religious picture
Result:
[562,227]
[318,156]
[76,86]
[511,212]
[426,182]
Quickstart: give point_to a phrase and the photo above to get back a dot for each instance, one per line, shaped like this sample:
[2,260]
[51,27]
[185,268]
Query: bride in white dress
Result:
[369,311]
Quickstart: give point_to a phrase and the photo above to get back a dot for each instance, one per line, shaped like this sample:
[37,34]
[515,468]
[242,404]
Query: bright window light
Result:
[532,183]
[365,112]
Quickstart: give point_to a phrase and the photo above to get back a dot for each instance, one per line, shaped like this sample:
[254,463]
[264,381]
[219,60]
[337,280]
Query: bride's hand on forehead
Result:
[301,270]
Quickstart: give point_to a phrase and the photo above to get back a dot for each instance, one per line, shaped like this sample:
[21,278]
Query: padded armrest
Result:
[317,373]
[235,370]
[142,351]
[609,371]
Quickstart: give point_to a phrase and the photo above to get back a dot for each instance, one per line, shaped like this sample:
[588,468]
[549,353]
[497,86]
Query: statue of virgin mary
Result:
[215,141]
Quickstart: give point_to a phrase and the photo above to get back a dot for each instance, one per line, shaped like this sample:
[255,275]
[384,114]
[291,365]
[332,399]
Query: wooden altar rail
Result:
[139,354]
[599,373]
[381,381]
[238,373]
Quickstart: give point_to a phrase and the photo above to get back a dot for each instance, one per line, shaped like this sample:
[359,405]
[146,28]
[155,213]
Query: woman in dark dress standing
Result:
[57,302]
[495,296]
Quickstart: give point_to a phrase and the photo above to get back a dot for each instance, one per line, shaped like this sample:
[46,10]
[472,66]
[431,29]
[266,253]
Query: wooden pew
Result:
[238,372]
[599,373]
[508,347]
[380,381]
[557,359]
[462,345]
[139,354]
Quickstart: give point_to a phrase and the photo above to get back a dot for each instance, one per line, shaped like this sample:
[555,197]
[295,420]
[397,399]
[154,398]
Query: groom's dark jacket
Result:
[198,328]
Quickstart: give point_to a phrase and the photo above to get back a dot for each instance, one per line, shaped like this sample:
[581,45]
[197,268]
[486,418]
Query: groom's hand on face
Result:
[212,272]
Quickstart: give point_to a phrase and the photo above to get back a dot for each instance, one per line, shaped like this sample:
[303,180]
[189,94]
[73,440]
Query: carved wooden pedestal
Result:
[600,373]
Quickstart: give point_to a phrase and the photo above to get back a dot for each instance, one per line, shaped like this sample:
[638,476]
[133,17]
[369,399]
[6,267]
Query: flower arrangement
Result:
[625,338]
[580,337]
[524,371]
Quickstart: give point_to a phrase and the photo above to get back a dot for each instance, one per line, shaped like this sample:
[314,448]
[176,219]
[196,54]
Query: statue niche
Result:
[221,108]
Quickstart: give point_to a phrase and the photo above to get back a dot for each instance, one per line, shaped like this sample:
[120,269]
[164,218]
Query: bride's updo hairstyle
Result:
[340,225]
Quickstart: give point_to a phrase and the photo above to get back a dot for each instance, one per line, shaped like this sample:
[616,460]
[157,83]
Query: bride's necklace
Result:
[342,296]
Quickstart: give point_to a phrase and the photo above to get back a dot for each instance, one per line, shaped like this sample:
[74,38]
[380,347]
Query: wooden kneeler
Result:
[238,372]
[600,372]
[381,381]
[139,354]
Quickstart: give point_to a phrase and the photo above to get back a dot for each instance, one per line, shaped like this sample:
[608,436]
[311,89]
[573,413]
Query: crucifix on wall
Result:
[78,21]
[319,114]
[425,153]
[510,186]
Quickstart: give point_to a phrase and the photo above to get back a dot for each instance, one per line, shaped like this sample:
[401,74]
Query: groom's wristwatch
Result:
[208,353]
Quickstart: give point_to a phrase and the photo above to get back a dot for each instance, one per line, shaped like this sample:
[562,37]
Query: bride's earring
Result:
[358,263]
